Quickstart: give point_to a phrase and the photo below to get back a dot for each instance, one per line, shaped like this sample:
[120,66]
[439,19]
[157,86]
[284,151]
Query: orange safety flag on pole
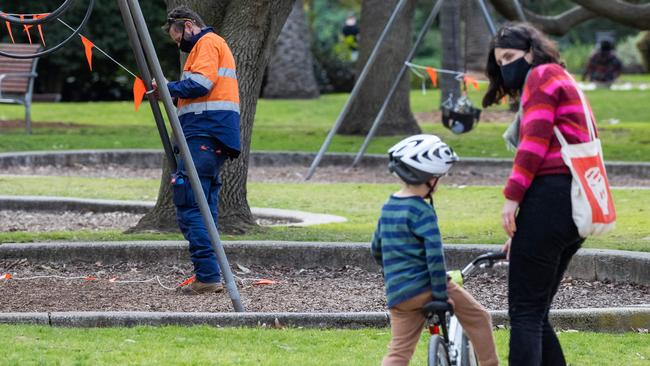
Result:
[88,45]
[433,75]
[467,79]
[26,30]
[138,92]
[40,27]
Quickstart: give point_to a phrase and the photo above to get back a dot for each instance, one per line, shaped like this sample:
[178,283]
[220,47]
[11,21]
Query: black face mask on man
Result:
[185,45]
[514,74]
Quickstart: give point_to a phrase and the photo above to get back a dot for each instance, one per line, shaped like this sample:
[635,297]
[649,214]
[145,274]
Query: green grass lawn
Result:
[466,215]
[301,125]
[37,345]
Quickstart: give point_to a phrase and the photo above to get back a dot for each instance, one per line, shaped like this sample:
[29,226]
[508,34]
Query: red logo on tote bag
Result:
[593,181]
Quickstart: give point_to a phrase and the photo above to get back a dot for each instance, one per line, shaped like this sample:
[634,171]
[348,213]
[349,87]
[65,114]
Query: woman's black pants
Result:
[542,247]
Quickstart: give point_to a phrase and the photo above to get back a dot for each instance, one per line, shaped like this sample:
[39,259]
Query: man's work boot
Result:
[198,288]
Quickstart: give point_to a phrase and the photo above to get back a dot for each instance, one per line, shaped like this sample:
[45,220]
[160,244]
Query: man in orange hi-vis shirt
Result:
[208,109]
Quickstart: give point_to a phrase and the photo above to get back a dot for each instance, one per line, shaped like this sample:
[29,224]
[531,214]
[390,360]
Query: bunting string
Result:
[432,74]
[139,89]
[102,51]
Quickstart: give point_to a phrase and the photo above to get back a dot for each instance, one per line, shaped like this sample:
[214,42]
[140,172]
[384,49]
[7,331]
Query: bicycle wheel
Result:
[467,354]
[437,352]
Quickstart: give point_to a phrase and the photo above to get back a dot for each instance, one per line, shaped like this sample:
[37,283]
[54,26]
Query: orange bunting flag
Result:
[26,30]
[88,45]
[264,281]
[6,276]
[9,30]
[472,81]
[187,281]
[40,27]
[433,75]
[504,100]
[138,92]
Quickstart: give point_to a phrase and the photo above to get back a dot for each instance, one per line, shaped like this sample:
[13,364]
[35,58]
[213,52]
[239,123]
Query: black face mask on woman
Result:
[514,74]
[185,45]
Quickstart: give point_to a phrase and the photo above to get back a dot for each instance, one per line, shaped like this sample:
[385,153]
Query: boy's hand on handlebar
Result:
[506,248]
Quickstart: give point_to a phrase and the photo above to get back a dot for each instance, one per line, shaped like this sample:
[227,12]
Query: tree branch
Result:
[634,15]
[556,25]
[560,24]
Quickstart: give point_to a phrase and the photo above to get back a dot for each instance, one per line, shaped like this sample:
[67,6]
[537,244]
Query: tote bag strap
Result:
[587,112]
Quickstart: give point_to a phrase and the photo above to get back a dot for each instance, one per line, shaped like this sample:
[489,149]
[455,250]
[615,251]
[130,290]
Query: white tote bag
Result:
[591,198]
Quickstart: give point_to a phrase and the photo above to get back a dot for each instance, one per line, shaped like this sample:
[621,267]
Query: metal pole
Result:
[150,53]
[520,10]
[375,124]
[486,15]
[355,90]
[146,78]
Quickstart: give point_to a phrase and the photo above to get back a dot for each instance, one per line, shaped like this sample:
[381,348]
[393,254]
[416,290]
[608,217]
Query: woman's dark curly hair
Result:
[521,36]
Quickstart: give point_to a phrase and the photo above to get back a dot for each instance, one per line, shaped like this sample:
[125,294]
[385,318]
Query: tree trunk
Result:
[250,27]
[398,119]
[451,53]
[478,36]
[643,45]
[291,70]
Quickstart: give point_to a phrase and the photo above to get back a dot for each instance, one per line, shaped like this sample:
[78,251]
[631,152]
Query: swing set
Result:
[149,67]
[459,115]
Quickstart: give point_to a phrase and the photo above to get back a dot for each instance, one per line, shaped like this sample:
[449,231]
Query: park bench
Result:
[17,77]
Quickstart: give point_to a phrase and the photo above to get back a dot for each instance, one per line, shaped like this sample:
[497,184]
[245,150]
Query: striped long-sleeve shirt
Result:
[408,246]
[550,98]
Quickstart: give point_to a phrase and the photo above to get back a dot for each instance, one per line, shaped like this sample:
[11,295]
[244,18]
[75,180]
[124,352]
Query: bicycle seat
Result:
[436,307]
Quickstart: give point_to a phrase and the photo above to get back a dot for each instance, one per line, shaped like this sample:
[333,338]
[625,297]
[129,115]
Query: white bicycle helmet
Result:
[419,158]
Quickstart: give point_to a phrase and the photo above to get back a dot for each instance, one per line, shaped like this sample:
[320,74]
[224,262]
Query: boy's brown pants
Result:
[407,321]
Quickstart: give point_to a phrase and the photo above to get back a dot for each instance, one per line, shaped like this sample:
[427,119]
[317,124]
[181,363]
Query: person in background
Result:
[603,67]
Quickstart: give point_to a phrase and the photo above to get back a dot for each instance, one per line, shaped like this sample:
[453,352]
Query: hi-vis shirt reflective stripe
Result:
[229,73]
[201,107]
[200,79]
[211,65]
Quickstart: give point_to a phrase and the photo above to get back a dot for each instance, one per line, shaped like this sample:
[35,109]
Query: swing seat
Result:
[460,122]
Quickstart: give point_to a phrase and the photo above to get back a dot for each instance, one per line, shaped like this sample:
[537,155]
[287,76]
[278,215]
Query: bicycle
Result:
[449,345]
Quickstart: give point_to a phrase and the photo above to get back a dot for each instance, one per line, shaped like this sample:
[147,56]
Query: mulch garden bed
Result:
[347,289]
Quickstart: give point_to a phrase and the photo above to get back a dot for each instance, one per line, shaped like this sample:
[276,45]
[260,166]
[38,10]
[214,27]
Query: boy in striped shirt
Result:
[407,245]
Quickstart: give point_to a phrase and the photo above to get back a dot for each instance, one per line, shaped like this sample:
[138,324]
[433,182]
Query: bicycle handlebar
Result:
[486,260]
[490,257]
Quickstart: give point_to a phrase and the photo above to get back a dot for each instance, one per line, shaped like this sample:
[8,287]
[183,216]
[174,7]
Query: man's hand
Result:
[508,217]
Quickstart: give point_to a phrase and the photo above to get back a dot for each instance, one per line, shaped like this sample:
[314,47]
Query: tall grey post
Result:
[150,53]
[145,73]
[488,18]
[357,86]
[375,124]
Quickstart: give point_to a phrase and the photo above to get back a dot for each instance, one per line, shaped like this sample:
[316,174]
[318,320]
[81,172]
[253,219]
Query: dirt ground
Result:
[294,290]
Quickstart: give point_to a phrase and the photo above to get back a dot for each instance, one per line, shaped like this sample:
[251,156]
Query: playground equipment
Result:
[467,115]
[149,67]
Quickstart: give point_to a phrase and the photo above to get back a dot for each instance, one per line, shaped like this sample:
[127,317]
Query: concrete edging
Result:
[603,319]
[46,203]
[152,158]
[587,264]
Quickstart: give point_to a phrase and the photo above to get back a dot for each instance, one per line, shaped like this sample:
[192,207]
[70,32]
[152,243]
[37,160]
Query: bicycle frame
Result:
[443,323]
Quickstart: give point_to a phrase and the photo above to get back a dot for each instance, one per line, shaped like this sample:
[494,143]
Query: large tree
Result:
[291,69]
[398,118]
[451,50]
[251,28]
